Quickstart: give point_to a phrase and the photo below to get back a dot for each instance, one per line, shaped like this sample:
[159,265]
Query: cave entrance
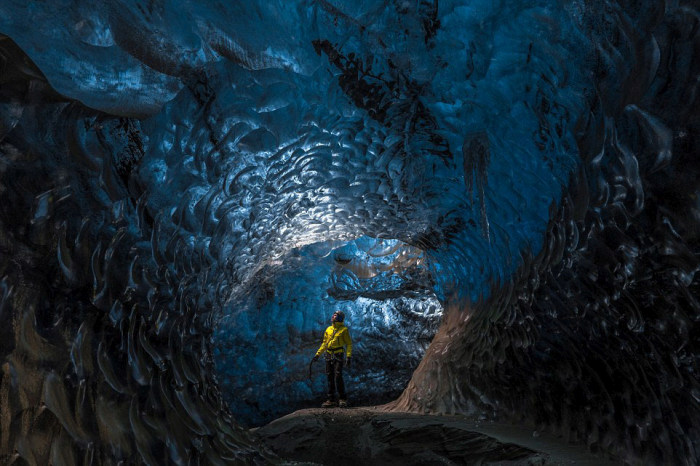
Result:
[263,344]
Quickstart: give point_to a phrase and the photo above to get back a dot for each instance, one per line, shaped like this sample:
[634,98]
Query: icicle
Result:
[476,153]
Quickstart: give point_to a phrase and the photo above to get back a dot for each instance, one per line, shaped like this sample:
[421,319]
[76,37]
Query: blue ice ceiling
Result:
[336,122]
[501,195]
[254,164]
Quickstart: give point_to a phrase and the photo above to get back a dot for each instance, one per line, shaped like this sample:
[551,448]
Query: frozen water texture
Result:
[187,191]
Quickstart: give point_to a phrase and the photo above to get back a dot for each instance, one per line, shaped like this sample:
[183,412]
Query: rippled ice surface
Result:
[187,191]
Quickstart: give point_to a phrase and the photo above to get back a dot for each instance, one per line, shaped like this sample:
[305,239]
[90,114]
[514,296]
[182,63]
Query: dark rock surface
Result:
[373,436]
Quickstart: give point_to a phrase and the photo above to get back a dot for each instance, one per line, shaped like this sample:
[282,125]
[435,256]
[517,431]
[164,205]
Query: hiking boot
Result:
[328,404]
[343,403]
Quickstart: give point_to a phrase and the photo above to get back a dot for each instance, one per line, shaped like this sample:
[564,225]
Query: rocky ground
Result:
[368,436]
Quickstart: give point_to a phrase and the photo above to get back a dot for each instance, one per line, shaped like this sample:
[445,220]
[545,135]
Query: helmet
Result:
[339,316]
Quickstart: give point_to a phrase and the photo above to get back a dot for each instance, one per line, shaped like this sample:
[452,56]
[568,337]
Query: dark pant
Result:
[334,371]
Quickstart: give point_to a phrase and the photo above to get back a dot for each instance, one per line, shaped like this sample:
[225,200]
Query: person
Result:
[336,339]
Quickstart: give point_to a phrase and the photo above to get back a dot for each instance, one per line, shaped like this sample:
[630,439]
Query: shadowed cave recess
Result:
[503,196]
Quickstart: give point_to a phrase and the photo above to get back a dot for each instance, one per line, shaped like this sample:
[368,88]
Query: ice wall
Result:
[596,335]
[170,172]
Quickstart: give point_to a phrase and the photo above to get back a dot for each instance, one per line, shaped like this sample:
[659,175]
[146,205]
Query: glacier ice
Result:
[188,189]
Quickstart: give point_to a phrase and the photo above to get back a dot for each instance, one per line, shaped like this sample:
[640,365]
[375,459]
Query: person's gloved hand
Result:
[348,361]
[315,358]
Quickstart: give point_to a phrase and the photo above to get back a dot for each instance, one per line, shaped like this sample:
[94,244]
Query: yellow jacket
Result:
[335,337]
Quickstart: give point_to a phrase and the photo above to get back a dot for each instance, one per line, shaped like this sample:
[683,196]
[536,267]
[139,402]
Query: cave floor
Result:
[369,435]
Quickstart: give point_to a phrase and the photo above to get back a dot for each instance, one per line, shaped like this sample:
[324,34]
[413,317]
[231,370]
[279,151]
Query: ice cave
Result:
[501,195]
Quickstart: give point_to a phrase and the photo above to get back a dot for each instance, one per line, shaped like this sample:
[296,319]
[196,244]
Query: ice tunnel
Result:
[502,196]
